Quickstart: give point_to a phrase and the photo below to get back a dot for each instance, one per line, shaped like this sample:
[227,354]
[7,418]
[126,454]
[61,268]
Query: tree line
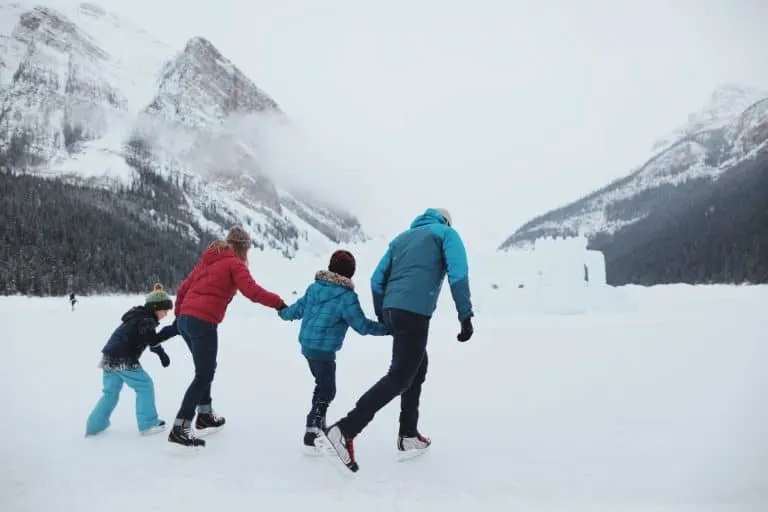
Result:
[708,233]
[60,236]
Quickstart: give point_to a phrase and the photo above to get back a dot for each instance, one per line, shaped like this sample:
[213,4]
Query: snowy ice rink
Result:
[638,399]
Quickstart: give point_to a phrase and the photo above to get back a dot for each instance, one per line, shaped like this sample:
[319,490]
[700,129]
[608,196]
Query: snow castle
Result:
[551,262]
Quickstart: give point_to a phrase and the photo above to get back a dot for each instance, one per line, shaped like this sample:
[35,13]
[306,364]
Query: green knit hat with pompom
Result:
[158,300]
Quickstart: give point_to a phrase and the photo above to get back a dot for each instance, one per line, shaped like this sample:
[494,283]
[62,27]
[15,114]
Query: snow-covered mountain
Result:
[725,135]
[725,105]
[89,98]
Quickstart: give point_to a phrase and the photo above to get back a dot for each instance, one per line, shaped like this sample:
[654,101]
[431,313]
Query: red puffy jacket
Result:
[210,287]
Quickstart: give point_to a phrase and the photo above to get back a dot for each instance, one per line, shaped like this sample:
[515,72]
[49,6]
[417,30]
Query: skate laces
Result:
[189,431]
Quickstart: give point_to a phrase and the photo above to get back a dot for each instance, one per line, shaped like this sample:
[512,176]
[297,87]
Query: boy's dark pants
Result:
[406,374]
[324,372]
[203,341]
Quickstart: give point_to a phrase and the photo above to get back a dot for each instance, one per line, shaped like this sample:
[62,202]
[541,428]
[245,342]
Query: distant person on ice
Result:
[201,303]
[405,287]
[72,300]
[120,364]
[328,308]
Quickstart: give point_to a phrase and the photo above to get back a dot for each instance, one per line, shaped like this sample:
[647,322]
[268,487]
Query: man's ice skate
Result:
[182,435]
[160,427]
[337,448]
[409,447]
[208,423]
[309,441]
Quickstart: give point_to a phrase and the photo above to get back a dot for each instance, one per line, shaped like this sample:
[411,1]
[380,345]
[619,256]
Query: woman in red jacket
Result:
[201,302]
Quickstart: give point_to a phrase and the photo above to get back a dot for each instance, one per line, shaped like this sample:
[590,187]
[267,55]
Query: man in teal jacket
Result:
[405,286]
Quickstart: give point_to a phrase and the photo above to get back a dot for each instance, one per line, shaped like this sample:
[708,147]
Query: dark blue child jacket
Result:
[132,337]
[328,308]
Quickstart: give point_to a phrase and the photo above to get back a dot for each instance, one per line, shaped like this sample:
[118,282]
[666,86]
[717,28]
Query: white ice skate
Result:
[338,450]
[411,447]
[160,427]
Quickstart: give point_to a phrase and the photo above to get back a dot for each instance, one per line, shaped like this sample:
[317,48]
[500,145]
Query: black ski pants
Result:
[406,374]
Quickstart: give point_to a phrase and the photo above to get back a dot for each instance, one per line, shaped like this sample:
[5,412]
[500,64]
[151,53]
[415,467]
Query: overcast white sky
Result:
[497,110]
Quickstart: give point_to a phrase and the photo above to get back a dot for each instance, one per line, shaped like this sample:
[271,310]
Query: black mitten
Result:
[160,351]
[466,330]
[168,332]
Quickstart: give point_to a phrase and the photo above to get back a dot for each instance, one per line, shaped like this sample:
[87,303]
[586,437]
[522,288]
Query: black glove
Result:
[160,351]
[466,330]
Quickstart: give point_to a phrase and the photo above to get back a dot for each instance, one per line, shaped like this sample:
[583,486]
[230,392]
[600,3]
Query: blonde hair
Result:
[158,287]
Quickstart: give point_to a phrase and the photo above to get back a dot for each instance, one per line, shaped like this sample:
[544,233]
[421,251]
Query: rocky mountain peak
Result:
[199,86]
[202,49]
[726,103]
[89,99]
[733,93]
[51,28]
[722,142]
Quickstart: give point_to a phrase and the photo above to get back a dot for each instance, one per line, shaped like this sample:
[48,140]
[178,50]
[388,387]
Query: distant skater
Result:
[72,300]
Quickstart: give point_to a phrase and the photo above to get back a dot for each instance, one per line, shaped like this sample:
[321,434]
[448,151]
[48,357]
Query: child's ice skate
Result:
[409,447]
[160,427]
[100,433]
[315,426]
[309,441]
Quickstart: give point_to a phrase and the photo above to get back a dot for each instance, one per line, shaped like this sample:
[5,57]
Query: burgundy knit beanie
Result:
[342,263]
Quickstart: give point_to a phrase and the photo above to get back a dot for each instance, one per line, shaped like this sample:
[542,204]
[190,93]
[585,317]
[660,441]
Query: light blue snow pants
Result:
[136,379]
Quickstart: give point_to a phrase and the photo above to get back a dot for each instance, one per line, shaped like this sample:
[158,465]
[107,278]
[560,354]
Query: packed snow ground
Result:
[656,403]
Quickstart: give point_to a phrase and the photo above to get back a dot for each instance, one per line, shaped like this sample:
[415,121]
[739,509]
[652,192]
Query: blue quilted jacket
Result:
[410,274]
[328,308]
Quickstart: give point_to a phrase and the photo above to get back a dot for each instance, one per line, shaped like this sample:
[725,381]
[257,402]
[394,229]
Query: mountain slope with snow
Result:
[725,105]
[727,134]
[91,99]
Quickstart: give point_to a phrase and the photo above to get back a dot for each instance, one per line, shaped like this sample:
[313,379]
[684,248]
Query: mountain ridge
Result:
[636,220]
[92,101]
[700,155]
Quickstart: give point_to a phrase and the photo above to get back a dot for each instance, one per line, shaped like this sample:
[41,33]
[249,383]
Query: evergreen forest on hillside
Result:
[60,236]
[718,233]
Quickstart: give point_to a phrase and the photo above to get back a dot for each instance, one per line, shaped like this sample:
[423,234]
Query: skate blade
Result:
[326,449]
[103,433]
[208,431]
[153,430]
[410,454]
[312,451]
[179,450]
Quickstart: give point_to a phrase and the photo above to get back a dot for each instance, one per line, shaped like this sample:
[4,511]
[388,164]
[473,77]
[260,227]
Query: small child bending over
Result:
[120,363]
[328,308]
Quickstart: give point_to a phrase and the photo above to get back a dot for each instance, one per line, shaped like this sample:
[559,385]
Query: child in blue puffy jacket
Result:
[328,308]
